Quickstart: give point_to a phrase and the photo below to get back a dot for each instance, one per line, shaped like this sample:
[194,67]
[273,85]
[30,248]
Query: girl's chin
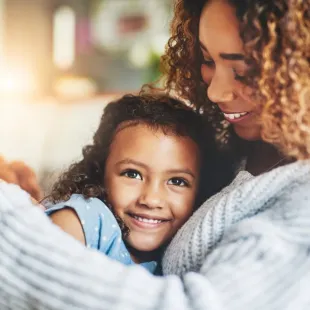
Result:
[145,248]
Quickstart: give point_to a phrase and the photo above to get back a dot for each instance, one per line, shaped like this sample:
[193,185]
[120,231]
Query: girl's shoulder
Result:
[85,207]
[97,220]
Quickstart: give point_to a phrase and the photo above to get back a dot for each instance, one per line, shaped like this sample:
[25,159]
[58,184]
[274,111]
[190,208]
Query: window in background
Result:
[64,37]
[132,34]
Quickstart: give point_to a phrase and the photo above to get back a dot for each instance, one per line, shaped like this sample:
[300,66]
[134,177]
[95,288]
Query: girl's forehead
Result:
[142,134]
[153,146]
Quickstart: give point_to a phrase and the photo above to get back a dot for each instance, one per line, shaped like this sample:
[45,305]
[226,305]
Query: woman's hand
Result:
[19,173]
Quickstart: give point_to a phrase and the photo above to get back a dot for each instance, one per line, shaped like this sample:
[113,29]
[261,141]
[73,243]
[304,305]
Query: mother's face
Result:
[224,68]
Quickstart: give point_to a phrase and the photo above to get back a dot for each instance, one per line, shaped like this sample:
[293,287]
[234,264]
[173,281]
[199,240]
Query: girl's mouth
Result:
[147,221]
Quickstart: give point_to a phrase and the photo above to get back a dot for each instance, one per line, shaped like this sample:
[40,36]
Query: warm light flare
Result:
[17,82]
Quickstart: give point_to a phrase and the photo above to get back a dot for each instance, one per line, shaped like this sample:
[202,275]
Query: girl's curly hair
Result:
[158,112]
[276,36]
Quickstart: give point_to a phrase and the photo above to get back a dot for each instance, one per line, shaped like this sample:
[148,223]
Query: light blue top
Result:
[100,228]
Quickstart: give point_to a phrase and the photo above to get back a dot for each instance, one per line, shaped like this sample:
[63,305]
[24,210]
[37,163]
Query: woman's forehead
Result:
[219,28]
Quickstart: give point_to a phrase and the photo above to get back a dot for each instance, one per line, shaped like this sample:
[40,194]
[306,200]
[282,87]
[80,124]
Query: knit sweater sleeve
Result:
[257,265]
[41,267]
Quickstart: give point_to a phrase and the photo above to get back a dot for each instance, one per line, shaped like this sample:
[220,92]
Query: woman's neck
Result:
[264,157]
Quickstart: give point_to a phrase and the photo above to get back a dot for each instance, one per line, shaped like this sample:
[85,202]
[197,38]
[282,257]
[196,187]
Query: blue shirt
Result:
[100,228]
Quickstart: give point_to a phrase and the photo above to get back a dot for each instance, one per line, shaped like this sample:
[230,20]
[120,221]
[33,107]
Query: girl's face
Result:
[224,68]
[151,180]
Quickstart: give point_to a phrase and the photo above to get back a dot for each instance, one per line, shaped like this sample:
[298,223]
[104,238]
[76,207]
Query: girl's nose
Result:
[152,196]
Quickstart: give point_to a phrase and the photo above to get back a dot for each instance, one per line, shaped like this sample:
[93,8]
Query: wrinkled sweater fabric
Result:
[248,247]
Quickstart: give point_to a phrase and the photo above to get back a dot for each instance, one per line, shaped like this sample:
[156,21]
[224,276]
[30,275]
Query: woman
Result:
[248,246]
[239,60]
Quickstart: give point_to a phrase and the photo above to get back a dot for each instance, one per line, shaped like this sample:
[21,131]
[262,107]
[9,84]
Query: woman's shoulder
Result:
[283,193]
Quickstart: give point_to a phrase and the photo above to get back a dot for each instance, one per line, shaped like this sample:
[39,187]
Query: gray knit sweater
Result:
[248,247]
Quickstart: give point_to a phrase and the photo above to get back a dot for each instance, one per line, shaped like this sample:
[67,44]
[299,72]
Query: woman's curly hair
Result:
[276,36]
[158,112]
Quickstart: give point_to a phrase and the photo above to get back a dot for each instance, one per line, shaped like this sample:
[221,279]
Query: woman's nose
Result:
[220,90]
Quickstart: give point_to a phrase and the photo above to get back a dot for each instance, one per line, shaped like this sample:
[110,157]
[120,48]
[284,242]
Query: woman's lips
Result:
[236,117]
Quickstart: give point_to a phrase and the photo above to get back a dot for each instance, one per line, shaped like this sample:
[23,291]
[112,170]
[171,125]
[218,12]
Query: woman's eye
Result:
[178,182]
[238,77]
[208,62]
[132,174]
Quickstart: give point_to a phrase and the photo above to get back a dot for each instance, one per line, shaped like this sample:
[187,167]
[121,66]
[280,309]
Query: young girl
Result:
[146,165]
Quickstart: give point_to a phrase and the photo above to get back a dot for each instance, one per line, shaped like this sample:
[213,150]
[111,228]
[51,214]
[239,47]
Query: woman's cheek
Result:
[206,73]
[246,94]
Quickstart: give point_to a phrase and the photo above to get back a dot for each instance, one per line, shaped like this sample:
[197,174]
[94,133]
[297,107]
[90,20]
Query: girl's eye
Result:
[178,182]
[208,62]
[132,174]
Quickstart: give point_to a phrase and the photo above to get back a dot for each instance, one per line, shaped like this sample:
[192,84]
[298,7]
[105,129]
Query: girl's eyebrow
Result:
[226,56]
[185,171]
[131,161]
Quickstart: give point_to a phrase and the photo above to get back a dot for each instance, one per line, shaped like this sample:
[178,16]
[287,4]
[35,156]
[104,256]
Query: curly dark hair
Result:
[158,112]
[276,36]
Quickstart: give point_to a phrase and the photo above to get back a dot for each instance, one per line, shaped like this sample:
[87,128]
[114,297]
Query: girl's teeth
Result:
[234,115]
[141,219]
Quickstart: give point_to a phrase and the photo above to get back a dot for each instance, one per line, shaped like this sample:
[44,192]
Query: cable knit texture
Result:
[203,230]
[248,247]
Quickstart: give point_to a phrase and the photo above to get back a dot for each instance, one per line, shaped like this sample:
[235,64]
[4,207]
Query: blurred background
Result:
[61,62]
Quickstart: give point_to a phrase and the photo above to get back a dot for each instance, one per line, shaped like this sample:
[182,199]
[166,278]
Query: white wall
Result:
[48,135]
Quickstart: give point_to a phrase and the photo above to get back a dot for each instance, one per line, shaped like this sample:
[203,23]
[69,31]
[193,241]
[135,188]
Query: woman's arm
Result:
[43,268]
[256,266]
